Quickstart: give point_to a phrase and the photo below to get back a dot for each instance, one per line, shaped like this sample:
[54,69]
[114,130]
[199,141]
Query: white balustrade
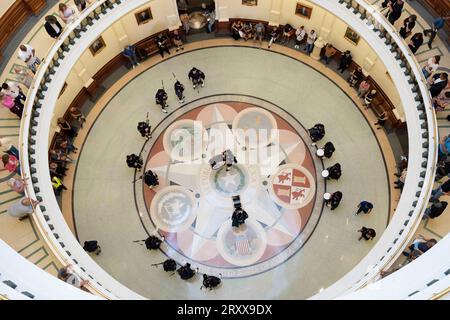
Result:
[420,117]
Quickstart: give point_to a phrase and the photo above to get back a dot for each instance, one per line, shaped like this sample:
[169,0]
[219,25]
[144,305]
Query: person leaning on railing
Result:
[67,275]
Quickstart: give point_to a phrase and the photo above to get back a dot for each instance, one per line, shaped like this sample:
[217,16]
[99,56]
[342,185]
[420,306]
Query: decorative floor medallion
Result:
[274,177]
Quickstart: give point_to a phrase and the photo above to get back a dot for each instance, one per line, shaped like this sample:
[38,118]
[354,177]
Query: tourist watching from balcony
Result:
[422,244]
[442,101]
[330,51]
[408,25]
[28,55]
[438,24]
[300,34]
[184,18]
[66,128]
[441,190]
[67,13]
[17,184]
[53,27]
[130,53]
[442,169]
[81,4]
[363,88]
[364,206]
[6,146]
[274,35]
[66,274]
[431,66]
[355,76]
[367,233]
[10,163]
[437,82]
[22,208]
[259,32]
[369,98]
[77,115]
[435,210]
[64,143]
[395,10]
[312,36]
[134,161]
[346,60]
[401,180]
[416,42]
[177,41]
[23,76]
[9,103]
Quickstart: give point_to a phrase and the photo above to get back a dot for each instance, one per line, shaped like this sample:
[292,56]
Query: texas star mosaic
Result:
[193,205]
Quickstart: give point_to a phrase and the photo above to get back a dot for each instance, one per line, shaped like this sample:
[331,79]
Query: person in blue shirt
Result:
[444,147]
[364,206]
[130,53]
[437,25]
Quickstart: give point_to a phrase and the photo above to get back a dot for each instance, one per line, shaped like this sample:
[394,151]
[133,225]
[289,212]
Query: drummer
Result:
[217,162]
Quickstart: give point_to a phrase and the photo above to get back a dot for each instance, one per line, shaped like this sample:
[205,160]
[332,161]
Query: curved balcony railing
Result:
[422,139]
[433,282]
[34,141]
[20,279]
[403,68]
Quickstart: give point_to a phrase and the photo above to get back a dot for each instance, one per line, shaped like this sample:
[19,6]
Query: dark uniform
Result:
[162,41]
[145,129]
[197,77]
[161,98]
[151,179]
[134,161]
[335,171]
[179,89]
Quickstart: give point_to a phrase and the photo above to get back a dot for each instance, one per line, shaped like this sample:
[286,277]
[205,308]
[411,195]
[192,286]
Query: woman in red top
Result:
[11,163]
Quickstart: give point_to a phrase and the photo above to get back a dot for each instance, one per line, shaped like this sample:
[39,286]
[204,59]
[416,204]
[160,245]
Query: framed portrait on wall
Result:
[352,36]
[97,46]
[250,2]
[303,11]
[144,16]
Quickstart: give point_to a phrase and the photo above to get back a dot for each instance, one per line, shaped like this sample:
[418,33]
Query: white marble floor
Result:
[104,205]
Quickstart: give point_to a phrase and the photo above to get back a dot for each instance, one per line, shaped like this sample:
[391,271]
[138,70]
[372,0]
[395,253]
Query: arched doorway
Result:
[198,14]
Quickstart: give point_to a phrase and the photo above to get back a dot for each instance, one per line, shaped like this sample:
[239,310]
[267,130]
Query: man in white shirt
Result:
[431,66]
[312,36]
[6,146]
[300,34]
[28,55]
